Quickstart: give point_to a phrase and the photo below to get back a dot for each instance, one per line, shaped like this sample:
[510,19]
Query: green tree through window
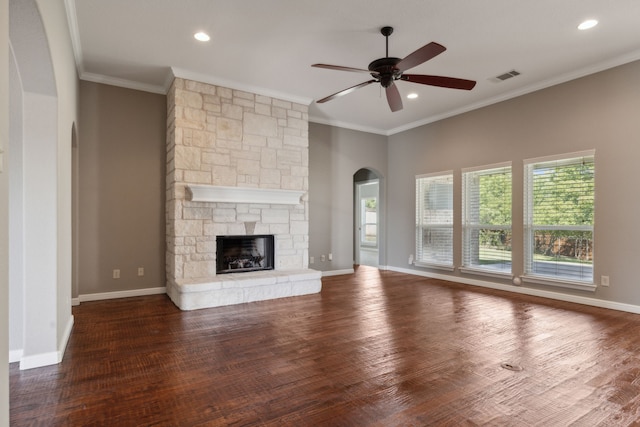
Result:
[559,218]
[486,218]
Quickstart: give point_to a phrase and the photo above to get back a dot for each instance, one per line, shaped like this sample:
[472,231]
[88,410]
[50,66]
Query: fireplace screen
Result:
[236,254]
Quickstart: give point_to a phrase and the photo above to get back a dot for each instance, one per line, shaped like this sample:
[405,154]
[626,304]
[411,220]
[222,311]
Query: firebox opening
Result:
[237,254]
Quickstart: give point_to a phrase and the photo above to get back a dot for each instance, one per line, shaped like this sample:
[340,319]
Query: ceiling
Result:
[268,46]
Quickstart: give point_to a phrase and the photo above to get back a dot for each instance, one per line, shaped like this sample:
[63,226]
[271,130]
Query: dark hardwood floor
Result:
[373,349]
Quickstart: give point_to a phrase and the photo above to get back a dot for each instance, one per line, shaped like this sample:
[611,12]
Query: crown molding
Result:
[204,78]
[74,33]
[129,84]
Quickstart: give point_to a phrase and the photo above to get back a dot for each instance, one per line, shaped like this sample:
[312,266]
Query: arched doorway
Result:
[33,191]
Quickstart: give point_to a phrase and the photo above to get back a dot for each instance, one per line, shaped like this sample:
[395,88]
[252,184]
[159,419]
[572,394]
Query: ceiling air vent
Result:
[506,76]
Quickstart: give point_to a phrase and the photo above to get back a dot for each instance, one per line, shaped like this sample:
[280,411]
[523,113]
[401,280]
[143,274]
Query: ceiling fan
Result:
[387,70]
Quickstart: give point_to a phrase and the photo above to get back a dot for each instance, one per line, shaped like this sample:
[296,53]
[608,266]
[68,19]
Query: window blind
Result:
[559,217]
[434,219]
[486,218]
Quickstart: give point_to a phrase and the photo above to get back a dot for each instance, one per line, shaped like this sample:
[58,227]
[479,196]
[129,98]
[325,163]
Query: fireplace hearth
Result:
[237,254]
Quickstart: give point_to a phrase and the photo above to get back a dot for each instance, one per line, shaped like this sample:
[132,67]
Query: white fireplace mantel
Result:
[221,194]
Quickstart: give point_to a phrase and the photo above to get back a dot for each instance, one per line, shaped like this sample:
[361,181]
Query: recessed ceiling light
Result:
[589,23]
[412,96]
[203,37]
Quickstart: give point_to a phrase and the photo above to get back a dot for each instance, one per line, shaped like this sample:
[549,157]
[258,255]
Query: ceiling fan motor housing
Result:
[385,70]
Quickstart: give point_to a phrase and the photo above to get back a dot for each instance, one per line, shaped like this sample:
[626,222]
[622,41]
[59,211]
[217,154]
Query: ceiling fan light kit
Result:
[388,70]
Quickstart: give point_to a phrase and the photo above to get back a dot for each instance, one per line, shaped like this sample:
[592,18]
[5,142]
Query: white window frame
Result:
[529,228]
[470,220]
[444,260]
[364,223]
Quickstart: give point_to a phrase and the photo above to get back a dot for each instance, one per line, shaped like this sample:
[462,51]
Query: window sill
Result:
[569,284]
[483,272]
[436,266]
[368,246]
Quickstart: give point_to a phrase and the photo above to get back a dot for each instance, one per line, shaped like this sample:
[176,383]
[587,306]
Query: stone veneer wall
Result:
[225,137]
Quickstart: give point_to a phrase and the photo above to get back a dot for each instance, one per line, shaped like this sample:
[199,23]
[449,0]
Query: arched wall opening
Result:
[33,180]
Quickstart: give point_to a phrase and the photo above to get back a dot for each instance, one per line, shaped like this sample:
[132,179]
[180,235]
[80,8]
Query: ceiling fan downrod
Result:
[386,32]
[384,69]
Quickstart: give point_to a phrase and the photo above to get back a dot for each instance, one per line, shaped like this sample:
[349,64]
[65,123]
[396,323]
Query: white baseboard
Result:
[527,291]
[122,294]
[64,340]
[15,355]
[75,301]
[44,359]
[39,360]
[338,272]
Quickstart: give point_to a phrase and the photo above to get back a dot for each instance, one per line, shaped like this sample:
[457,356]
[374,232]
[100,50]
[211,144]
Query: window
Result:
[434,220]
[486,219]
[558,219]
[369,221]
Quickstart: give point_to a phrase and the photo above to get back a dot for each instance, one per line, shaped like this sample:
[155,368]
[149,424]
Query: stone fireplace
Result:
[237,165]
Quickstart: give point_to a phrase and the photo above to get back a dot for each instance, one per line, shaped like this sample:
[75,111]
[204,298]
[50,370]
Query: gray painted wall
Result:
[14,157]
[4,214]
[598,111]
[122,136]
[335,155]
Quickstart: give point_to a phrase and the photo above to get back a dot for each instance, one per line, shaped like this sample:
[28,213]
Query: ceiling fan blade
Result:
[421,55]
[340,68]
[449,82]
[393,98]
[345,91]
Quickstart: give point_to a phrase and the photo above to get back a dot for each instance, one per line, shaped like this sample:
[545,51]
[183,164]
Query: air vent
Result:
[507,75]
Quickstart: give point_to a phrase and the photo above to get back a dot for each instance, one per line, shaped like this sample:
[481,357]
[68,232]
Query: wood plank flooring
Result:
[372,349]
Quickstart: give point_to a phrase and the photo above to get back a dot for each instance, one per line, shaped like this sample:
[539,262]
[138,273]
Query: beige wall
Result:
[335,155]
[121,143]
[595,112]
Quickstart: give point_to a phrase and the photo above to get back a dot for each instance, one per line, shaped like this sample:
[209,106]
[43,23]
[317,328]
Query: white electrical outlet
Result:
[604,281]
[312,260]
[116,273]
[410,259]
[323,258]
[330,257]
[140,271]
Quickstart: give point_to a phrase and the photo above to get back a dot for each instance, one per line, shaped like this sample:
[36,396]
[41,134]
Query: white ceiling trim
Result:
[129,84]
[346,125]
[576,74]
[74,33]
[203,78]
[72,18]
